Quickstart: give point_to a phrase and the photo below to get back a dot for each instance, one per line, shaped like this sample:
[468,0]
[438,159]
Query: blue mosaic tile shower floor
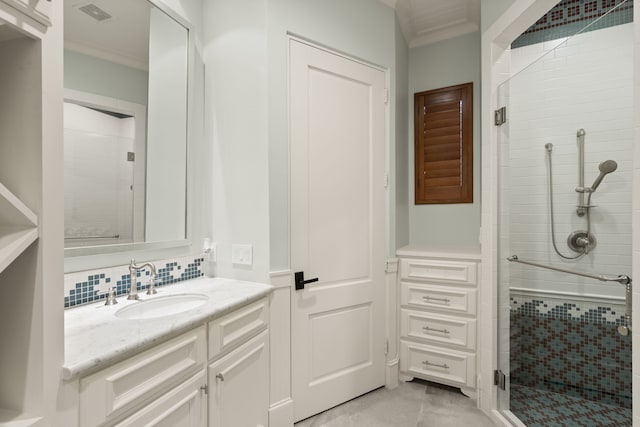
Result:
[542,408]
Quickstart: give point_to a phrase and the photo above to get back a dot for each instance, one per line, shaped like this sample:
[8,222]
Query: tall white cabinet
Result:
[31,210]
[438,308]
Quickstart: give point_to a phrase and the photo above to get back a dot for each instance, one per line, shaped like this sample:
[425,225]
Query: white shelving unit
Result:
[31,194]
[18,227]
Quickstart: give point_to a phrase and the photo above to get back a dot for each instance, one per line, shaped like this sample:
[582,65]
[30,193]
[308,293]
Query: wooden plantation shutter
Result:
[444,145]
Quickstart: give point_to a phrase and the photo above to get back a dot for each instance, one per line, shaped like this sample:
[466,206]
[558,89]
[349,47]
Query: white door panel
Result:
[337,227]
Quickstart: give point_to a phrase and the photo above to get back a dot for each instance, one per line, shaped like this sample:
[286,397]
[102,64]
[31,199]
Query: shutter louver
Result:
[443,145]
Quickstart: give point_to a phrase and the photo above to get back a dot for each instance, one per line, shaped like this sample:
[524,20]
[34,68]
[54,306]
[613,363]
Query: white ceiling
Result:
[430,21]
[124,38]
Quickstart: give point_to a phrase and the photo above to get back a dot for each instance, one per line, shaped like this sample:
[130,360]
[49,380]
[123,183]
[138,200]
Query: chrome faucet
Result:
[133,269]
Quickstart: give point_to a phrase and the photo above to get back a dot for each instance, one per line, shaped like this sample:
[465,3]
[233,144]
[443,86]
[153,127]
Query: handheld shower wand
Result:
[605,167]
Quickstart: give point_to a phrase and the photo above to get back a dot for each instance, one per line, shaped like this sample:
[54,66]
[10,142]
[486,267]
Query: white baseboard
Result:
[391,373]
[281,414]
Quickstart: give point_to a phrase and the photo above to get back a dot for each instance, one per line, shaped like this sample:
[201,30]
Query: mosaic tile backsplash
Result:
[571,347]
[84,287]
[569,17]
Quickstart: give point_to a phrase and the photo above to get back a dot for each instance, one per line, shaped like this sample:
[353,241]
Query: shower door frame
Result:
[495,70]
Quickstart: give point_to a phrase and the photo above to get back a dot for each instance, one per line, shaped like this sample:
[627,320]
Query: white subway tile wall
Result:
[585,83]
[98,178]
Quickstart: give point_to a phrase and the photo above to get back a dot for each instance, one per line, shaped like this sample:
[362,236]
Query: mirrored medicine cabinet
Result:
[126,68]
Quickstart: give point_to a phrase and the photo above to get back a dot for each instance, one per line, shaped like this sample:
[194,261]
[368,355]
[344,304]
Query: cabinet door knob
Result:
[220,376]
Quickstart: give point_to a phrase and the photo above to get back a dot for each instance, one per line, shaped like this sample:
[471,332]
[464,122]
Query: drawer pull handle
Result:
[427,298]
[220,376]
[442,331]
[427,364]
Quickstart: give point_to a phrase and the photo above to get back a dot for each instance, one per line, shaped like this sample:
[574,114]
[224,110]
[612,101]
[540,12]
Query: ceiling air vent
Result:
[95,12]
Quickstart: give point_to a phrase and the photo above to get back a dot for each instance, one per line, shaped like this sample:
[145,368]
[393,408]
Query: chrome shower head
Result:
[605,167]
[548,146]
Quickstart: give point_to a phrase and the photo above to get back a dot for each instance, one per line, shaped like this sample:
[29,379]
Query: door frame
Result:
[389,308]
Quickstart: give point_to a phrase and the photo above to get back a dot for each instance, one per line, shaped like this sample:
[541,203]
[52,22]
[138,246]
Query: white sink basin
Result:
[162,306]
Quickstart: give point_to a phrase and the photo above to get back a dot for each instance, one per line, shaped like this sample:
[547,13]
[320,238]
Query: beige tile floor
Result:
[412,404]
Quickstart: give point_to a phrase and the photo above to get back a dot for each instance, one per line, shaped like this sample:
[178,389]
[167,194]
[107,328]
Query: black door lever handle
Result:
[300,282]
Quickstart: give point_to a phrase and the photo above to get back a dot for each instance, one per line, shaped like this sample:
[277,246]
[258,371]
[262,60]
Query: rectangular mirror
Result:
[125,125]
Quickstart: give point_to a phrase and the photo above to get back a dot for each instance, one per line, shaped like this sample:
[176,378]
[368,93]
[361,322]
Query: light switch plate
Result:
[242,254]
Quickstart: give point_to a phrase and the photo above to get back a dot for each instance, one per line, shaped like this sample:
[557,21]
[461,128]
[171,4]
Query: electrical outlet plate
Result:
[242,254]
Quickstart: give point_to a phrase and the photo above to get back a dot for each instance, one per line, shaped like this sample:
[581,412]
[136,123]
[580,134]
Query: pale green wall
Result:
[100,77]
[402,142]
[364,29]
[236,127]
[433,66]
[246,52]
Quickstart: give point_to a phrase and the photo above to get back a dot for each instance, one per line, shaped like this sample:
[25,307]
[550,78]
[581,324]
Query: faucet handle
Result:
[111,297]
[151,290]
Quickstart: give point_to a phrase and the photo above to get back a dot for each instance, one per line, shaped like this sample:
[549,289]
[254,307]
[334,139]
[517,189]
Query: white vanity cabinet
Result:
[438,307]
[183,406]
[160,386]
[239,386]
[239,368]
[216,374]
[40,10]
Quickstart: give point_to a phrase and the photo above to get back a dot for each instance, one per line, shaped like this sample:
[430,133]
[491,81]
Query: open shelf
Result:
[18,227]
[14,241]
[13,212]
[10,418]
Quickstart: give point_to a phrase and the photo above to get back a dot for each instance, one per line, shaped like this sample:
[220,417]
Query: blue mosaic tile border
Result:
[569,310]
[569,17]
[85,287]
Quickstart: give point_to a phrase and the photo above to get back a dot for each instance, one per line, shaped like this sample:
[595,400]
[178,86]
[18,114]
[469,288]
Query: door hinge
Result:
[386,180]
[386,95]
[131,156]
[205,388]
[499,379]
[500,116]
[386,347]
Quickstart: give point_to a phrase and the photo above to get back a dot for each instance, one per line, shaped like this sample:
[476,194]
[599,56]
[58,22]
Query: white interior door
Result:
[337,135]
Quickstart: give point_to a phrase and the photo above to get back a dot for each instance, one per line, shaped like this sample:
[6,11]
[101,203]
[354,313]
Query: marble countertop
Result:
[95,338]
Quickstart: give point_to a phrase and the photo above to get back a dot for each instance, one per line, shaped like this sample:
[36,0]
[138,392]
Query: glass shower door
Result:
[565,202]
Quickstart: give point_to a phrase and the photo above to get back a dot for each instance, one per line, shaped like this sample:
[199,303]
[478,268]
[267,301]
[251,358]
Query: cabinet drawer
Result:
[112,391]
[458,272]
[182,406]
[442,298]
[438,329]
[444,366]
[233,329]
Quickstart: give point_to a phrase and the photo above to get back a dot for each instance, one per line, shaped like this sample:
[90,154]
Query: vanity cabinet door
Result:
[239,386]
[40,10]
[183,406]
[144,378]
